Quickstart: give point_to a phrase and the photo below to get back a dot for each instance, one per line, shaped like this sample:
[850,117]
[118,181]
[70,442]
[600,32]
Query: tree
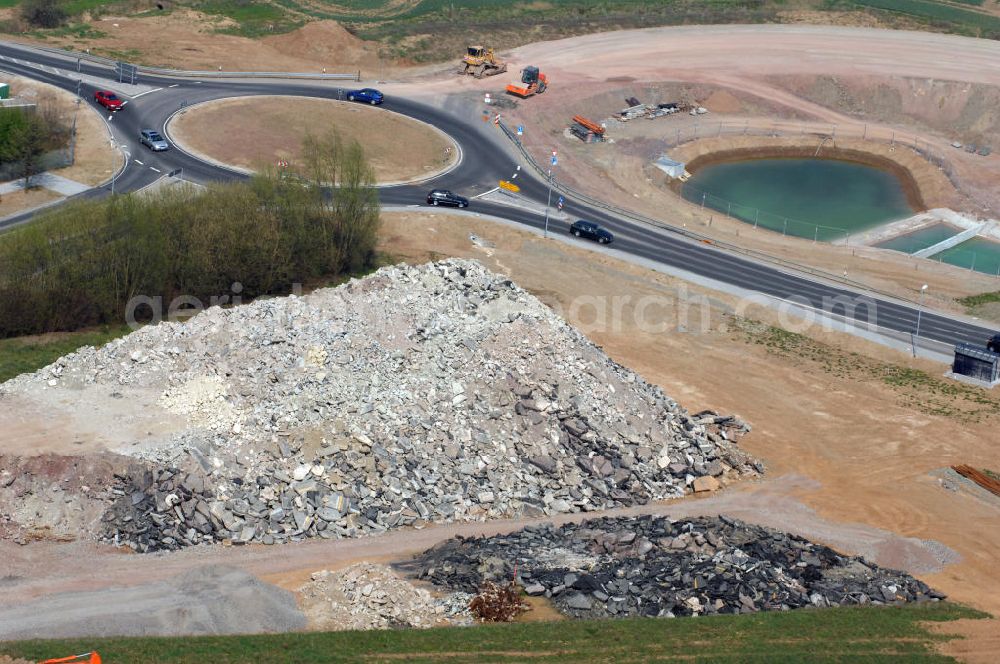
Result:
[43,13]
[26,145]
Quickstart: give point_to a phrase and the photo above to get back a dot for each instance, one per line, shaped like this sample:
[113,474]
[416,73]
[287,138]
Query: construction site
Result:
[504,423]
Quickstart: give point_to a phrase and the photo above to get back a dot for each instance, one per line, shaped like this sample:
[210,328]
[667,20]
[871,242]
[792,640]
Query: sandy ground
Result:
[22,200]
[275,128]
[94,156]
[849,454]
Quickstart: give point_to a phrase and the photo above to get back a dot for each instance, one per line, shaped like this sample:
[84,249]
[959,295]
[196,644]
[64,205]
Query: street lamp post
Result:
[114,166]
[920,310]
[548,202]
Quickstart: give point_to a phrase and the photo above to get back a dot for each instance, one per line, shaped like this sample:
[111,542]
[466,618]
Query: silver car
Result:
[152,140]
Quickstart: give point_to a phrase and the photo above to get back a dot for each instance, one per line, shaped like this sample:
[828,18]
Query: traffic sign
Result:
[555,160]
[126,73]
[520,130]
[560,203]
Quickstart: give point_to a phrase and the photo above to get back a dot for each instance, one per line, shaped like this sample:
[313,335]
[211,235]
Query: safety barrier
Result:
[686,232]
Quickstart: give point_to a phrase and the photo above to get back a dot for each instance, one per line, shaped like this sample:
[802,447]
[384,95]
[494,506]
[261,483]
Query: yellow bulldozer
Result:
[481,62]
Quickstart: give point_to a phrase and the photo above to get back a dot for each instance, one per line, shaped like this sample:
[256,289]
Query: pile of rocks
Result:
[419,394]
[652,566]
[165,509]
[369,596]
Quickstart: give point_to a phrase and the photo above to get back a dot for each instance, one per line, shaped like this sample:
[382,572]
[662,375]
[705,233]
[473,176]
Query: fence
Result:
[761,256]
[763,218]
[49,161]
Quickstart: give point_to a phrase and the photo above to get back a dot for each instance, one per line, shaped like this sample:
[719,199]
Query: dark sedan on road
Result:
[445,197]
[366,96]
[591,231]
[152,140]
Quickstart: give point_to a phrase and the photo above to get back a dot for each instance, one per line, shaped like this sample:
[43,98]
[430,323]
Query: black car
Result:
[445,197]
[591,231]
[993,344]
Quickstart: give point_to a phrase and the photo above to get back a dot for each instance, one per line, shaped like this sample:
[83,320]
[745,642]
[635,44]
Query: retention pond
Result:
[820,199]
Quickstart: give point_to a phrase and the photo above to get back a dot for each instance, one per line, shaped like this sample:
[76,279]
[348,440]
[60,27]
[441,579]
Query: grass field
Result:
[873,634]
[941,15]
[26,354]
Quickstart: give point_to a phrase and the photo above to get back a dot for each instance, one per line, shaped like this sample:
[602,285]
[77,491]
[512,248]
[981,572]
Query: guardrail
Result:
[687,233]
[183,73]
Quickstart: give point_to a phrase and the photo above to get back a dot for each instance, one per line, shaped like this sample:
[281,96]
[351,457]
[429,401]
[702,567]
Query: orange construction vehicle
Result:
[85,658]
[532,82]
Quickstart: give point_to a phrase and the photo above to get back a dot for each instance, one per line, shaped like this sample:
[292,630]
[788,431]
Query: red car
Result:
[108,100]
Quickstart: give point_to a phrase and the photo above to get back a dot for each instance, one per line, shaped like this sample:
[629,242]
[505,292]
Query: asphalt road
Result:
[484,163]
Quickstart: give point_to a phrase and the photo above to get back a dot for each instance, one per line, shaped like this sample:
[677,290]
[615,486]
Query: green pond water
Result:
[920,239]
[820,199]
[977,254]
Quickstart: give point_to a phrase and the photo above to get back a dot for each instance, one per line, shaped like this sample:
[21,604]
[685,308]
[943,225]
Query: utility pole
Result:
[920,310]
[548,201]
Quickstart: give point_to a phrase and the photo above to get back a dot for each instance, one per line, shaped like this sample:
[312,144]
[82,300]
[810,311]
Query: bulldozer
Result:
[481,62]
[532,82]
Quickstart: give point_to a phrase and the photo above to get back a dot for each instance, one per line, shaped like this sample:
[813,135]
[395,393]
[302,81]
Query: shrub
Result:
[43,13]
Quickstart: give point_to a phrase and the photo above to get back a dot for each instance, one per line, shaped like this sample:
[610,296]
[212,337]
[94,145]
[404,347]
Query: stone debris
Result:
[652,566]
[435,393]
[369,596]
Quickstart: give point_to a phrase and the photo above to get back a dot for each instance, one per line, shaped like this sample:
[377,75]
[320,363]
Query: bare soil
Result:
[17,201]
[275,128]
[849,453]
[187,39]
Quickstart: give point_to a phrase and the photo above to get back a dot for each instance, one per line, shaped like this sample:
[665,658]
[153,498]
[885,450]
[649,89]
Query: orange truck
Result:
[532,82]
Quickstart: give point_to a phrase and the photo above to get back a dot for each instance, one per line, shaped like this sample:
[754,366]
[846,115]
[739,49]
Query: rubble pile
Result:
[164,509]
[419,394]
[368,596]
[652,566]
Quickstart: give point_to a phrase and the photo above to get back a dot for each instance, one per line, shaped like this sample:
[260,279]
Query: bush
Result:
[43,13]
[497,603]
[81,264]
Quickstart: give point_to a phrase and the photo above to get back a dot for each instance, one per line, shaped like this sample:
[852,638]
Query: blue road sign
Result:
[555,160]
[520,130]
[560,203]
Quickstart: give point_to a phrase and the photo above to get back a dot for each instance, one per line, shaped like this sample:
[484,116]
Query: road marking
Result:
[146,93]
[174,85]
[139,162]
[198,82]
[154,169]
[487,192]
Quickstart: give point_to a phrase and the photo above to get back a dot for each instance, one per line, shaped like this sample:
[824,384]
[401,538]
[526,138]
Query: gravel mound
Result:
[419,394]
[206,600]
[652,566]
[370,596]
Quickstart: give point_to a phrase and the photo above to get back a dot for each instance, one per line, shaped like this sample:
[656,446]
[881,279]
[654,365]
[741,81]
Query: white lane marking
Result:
[154,169]
[198,82]
[139,162]
[487,192]
[146,93]
[174,85]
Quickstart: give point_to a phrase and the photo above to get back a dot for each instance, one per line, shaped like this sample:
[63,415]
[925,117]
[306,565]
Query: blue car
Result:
[366,95]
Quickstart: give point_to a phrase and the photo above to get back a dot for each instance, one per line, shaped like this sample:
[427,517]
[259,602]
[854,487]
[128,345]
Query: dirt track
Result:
[867,453]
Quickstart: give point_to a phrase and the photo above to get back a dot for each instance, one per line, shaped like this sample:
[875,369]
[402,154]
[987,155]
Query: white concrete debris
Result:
[418,394]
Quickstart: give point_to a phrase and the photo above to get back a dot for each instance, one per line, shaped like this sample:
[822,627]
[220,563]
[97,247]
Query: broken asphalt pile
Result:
[421,394]
[652,566]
